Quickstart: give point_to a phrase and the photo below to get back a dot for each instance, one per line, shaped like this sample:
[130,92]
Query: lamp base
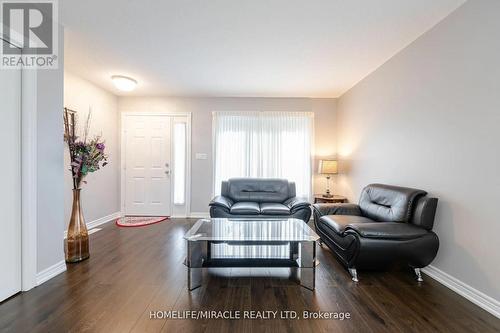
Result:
[327,195]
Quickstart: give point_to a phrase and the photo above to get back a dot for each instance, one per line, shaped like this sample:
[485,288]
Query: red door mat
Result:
[139,221]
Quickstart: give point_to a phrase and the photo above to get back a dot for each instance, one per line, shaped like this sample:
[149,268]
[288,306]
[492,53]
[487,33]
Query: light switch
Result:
[201,156]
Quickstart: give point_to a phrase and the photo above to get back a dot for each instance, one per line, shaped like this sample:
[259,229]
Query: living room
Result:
[250,166]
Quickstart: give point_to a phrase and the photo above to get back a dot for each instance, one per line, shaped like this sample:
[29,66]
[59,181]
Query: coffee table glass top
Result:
[247,230]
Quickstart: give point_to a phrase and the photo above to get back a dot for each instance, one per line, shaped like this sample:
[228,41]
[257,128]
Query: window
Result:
[263,144]
[179,163]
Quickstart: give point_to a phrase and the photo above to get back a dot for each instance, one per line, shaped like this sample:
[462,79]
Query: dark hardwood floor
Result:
[133,271]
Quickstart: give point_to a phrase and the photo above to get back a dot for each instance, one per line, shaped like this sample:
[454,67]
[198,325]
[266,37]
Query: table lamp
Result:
[328,168]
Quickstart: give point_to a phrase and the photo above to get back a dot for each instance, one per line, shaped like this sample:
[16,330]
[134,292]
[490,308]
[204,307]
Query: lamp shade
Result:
[328,167]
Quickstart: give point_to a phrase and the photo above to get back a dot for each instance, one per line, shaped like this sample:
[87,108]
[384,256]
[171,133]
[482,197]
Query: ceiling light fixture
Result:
[124,83]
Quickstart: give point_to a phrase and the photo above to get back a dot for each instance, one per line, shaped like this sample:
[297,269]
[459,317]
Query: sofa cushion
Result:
[245,208]
[388,203]
[272,208]
[338,223]
[387,230]
[259,189]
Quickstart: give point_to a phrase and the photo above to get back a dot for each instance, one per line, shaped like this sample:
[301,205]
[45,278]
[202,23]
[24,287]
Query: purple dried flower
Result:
[100,146]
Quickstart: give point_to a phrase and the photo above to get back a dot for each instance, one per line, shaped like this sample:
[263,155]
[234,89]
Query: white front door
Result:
[147,165]
[10,191]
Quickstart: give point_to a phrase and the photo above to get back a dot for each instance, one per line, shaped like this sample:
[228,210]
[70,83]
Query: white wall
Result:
[101,195]
[50,183]
[201,109]
[430,118]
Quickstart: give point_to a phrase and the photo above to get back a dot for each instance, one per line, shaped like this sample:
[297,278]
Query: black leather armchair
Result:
[390,224]
[259,198]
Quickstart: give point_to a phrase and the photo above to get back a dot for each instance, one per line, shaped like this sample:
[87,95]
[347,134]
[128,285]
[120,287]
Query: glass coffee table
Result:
[251,243]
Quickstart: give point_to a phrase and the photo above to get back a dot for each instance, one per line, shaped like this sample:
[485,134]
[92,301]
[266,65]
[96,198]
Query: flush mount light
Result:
[124,83]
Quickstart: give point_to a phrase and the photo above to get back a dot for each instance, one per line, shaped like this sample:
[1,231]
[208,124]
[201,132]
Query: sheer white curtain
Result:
[263,144]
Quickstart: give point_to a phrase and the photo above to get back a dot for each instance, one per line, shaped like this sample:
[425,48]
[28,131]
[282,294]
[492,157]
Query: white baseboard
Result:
[199,215]
[100,221]
[50,272]
[475,296]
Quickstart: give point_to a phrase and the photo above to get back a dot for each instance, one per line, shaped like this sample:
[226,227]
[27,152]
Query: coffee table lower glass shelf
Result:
[251,243]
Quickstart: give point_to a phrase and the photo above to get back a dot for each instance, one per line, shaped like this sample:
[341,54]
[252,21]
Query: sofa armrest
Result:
[424,212]
[221,201]
[294,204]
[321,209]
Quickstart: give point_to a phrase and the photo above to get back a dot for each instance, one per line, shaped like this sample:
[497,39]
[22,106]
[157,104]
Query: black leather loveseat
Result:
[390,224]
[259,198]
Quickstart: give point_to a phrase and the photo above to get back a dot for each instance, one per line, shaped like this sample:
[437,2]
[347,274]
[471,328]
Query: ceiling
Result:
[265,48]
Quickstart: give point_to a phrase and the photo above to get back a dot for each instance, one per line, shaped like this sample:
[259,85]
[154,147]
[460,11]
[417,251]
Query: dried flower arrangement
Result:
[87,155]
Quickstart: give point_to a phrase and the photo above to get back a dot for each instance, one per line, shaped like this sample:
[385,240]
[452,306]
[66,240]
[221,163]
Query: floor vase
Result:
[76,246]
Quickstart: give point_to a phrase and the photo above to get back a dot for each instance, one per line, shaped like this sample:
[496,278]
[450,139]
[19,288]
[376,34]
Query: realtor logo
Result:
[29,29]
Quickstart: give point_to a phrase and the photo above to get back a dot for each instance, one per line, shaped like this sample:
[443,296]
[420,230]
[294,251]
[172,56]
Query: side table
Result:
[319,198]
